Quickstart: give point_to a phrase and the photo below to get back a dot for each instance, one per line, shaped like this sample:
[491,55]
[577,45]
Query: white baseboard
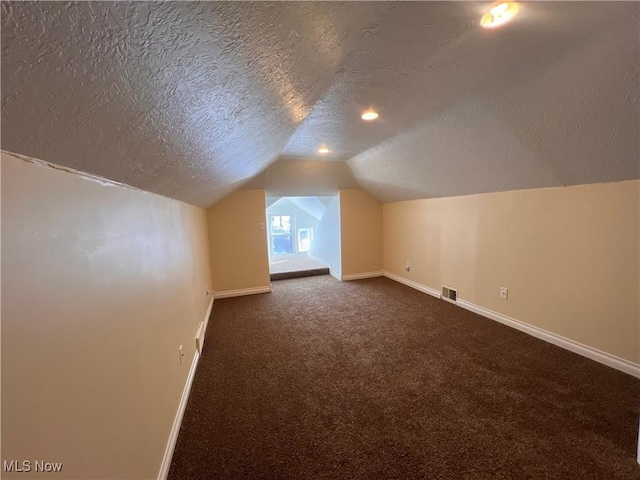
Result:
[243,291]
[410,283]
[177,421]
[175,429]
[206,318]
[359,276]
[455,302]
[599,356]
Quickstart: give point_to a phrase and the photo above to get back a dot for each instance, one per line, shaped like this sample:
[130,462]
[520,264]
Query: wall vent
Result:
[200,338]
[449,293]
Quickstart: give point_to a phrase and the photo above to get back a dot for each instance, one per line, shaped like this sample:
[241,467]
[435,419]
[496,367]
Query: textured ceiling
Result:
[194,100]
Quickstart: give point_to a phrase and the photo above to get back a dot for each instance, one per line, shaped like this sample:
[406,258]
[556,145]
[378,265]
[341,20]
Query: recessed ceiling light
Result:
[370,115]
[323,150]
[499,14]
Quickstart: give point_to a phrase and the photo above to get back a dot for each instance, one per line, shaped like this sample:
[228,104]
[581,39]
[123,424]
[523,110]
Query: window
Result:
[281,236]
[305,237]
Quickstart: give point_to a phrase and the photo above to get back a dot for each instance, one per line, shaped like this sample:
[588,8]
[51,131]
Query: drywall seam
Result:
[359,276]
[87,176]
[175,429]
[242,291]
[410,283]
[599,356]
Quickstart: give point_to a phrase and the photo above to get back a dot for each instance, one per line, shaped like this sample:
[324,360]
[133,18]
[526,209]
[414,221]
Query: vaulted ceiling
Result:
[194,100]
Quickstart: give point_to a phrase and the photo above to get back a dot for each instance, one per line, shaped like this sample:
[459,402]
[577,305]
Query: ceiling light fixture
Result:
[323,150]
[370,115]
[499,14]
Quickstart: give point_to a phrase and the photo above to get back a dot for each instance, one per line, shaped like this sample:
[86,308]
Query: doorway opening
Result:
[295,231]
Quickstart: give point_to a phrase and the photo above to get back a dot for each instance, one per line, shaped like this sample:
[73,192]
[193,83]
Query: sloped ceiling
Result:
[312,206]
[194,100]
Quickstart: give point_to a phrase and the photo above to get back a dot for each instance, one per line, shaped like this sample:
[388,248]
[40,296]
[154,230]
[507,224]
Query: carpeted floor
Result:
[373,380]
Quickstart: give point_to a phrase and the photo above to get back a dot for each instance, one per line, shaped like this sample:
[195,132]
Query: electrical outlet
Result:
[180,354]
[407,267]
[504,293]
[207,291]
[261,226]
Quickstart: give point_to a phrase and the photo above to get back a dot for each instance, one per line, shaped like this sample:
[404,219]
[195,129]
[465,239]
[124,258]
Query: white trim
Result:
[455,302]
[410,283]
[243,291]
[206,318]
[359,276]
[599,356]
[605,358]
[177,421]
[335,275]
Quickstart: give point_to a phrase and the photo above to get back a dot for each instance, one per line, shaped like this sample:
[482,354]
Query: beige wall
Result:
[101,284]
[569,256]
[361,229]
[238,248]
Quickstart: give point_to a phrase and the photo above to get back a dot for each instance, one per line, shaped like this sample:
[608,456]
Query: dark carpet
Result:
[299,273]
[373,380]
